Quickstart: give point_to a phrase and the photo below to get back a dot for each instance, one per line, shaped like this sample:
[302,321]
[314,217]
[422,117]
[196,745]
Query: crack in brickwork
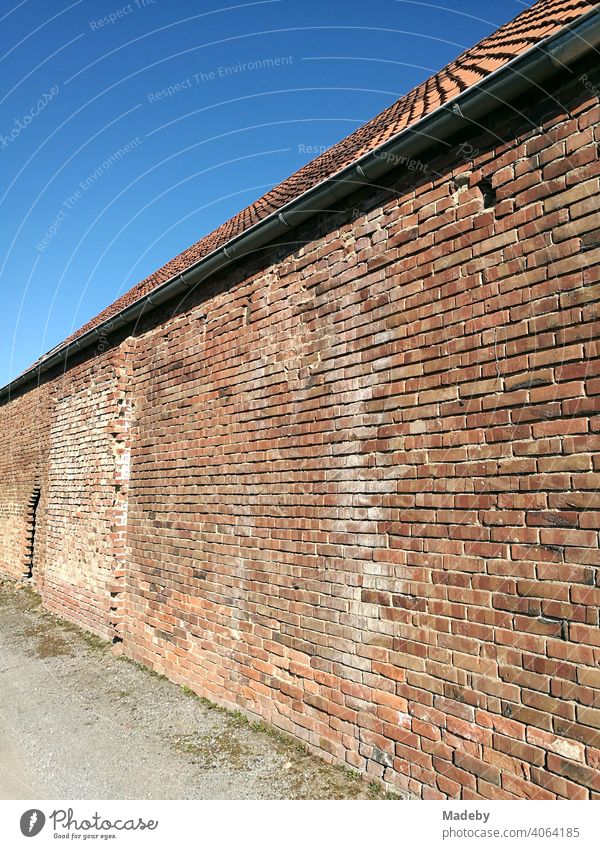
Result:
[30,529]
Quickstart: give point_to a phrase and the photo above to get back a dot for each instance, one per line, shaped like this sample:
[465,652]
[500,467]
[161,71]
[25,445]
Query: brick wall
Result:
[358,473]
[24,431]
[64,438]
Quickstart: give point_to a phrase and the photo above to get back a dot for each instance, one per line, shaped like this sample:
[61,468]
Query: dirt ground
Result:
[76,722]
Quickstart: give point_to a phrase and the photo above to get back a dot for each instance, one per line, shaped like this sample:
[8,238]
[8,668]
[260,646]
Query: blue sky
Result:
[129,130]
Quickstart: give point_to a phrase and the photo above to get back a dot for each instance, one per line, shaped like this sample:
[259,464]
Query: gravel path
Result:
[78,723]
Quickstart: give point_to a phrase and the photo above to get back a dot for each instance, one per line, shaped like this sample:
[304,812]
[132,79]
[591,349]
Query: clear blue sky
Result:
[105,176]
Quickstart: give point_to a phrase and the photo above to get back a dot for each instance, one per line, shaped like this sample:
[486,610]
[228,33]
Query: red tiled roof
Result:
[541,20]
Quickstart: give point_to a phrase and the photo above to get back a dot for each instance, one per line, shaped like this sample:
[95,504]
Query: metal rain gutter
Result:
[507,82]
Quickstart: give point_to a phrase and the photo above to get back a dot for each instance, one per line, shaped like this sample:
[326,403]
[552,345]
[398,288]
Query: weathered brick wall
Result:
[64,438]
[24,433]
[362,501]
[363,477]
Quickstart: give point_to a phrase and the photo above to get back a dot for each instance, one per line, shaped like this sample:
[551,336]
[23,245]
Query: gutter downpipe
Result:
[507,82]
